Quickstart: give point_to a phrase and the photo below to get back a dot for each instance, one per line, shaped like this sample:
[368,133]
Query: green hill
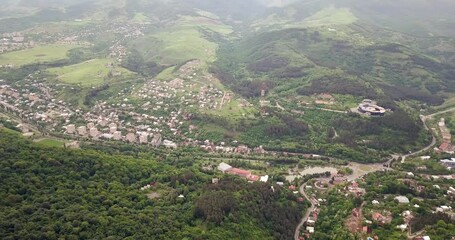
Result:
[53,193]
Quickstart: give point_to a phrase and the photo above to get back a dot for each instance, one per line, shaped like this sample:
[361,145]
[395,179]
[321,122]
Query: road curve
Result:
[307,213]
[433,141]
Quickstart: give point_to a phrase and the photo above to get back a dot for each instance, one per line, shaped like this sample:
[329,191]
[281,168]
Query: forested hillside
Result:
[53,193]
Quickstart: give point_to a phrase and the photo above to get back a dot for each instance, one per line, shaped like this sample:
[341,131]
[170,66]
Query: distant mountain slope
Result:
[418,17]
[305,57]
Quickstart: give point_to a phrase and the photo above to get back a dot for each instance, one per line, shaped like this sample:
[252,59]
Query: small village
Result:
[395,211]
[14,41]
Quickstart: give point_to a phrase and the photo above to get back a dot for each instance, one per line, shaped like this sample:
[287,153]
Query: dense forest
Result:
[52,193]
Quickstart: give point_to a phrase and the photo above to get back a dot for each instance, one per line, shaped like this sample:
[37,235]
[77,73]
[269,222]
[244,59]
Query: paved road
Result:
[375,167]
[307,213]
[440,112]
[326,109]
[433,141]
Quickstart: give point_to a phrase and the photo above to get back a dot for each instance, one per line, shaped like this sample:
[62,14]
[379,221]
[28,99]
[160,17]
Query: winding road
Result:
[424,119]
[434,140]
[307,213]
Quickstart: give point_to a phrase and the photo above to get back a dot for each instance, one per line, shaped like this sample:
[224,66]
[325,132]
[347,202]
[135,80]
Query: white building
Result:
[94,132]
[169,144]
[112,129]
[143,138]
[402,199]
[71,129]
[117,135]
[90,125]
[82,130]
[224,167]
[131,137]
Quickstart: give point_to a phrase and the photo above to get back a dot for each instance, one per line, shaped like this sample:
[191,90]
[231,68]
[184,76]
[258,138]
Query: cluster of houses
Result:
[446,145]
[106,121]
[36,106]
[180,92]
[310,224]
[14,41]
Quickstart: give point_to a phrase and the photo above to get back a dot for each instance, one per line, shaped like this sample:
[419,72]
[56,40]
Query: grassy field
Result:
[51,142]
[45,53]
[140,18]
[166,74]
[89,73]
[234,111]
[182,42]
[325,17]
[330,16]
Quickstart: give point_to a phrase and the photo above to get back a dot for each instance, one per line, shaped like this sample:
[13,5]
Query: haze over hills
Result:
[214,119]
[423,18]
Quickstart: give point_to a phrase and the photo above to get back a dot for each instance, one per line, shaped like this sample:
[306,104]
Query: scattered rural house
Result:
[380,219]
[448,163]
[82,130]
[422,238]
[264,178]
[169,144]
[117,135]
[94,132]
[131,137]
[73,144]
[223,167]
[403,227]
[71,129]
[355,189]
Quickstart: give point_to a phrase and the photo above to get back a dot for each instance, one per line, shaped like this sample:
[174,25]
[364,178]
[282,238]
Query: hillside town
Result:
[156,114]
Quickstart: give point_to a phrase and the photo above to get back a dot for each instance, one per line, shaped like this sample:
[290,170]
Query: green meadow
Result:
[88,73]
[51,142]
[44,53]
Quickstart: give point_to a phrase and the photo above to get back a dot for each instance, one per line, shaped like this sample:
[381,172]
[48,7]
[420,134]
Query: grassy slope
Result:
[50,142]
[182,42]
[92,72]
[45,53]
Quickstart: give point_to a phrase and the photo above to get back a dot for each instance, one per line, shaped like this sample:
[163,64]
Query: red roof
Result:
[292,187]
[444,146]
[239,172]
[253,177]
[377,216]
